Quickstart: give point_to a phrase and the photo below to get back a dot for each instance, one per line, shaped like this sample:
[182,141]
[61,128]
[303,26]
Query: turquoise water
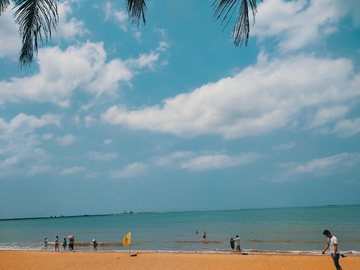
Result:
[285,229]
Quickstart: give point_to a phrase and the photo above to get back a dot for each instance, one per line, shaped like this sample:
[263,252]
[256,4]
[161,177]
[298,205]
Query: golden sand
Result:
[52,260]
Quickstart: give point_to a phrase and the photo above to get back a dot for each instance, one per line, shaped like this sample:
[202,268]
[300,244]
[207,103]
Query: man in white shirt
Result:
[334,248]
[237,241]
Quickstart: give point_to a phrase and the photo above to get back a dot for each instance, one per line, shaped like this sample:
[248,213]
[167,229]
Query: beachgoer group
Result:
[94,243]
[237,241]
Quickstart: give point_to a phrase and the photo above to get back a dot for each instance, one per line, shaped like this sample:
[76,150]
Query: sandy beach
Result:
[121,260]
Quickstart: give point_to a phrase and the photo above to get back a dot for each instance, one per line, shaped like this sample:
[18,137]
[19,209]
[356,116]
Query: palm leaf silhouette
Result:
[241,30]
[35,18]
[3,5]
[136,10]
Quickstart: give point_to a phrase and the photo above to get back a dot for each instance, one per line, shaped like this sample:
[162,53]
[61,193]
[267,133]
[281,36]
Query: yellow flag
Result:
[126,240]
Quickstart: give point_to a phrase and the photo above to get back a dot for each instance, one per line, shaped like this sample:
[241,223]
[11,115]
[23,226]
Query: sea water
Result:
[293,230]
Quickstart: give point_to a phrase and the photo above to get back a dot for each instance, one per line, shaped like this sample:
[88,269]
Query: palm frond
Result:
[36,19]
[136,10]
[3,5]
[241,30]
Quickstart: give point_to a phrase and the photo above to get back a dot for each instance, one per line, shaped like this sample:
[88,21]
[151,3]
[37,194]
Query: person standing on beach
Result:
[237,240]
[64,244]
[332,242]
[57,243]
[45,242]
[232,244]
[95,244]
[71,245]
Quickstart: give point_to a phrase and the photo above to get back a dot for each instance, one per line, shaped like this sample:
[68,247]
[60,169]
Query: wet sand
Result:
[82,260]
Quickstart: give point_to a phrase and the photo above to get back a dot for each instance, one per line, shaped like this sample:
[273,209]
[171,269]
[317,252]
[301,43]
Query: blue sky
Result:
[172,116]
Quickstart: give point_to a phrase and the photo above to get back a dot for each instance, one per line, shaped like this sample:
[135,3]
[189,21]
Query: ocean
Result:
[281,230]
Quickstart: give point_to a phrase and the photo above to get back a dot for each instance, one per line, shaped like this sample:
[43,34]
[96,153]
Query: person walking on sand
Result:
[64,244]
[45,242]
[57,243]
[237,240]
[332,242]
[232,244]
[95,244]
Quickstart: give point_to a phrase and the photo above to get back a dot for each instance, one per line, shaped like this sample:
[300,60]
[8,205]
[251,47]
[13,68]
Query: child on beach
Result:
[64,244]
[45,242]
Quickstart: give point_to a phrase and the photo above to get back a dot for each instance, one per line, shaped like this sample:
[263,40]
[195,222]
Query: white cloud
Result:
[137,35]
[86,107]
[21,154]
[90,121]
[120,17]
[285,146]
[173,158]
[135,169]
[163,46]
[9,162]
[24,124]
[78,67]
[60,74]
[10,44]
[108,77]
[66,140]
[100,156]
[68,29]
[318,167]
[77,119]
[347,127]
[92,175]
[72,170]
[47,136]
[206,161]
[39,169]
[298,23]
[108,141]
[326,115]
[218,161]
[257,100]
[145,60]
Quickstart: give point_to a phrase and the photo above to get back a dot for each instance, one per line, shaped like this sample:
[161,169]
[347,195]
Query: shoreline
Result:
[81,260]
[210,252]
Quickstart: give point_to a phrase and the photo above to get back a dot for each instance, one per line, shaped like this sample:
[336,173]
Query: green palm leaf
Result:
[35,18]
[241,30]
